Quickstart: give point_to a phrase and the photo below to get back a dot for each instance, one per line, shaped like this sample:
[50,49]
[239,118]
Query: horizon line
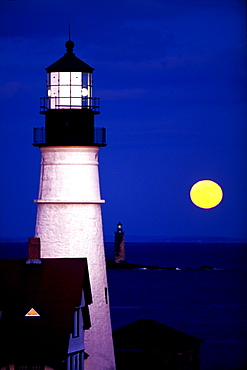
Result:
[150,239]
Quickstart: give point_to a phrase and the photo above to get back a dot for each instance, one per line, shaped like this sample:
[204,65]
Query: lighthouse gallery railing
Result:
[47,103]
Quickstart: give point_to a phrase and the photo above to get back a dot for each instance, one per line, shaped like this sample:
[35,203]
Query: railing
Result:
[47,103]
[39,136]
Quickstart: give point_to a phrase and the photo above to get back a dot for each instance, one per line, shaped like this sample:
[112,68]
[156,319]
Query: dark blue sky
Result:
[171,76]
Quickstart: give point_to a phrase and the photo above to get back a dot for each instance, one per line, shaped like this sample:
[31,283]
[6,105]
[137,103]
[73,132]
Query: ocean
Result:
[210,304]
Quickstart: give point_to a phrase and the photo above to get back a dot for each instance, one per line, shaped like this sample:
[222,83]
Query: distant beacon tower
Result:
[119,245]
[69,222]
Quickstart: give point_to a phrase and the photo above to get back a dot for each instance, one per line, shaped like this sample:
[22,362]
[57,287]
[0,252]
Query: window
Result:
[106,296]
[76,361]
[76,328]
[32,313]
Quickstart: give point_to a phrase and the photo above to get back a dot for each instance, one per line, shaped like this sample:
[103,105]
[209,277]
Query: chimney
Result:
[33,251]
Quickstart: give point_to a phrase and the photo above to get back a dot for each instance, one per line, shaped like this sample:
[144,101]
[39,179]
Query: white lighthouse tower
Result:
[69,222]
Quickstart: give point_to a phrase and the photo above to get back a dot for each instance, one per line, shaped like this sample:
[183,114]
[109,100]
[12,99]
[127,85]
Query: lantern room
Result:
[69,82]
[69,106]
[69,90]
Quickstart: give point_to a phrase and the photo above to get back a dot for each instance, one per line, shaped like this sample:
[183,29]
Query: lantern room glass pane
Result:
[76,78]
[86,83]
[54,91]
[85,79]
[75,103]
[64,94]
[76,96]
[64,91]
[53,97]
[64,78]
[76,91]
[64,103]
[54,78]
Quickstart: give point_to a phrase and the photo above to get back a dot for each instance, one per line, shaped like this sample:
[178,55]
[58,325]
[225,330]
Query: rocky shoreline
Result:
[111,265]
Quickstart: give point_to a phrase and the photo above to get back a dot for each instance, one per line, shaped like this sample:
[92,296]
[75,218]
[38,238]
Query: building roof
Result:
[69,62]
[147,334]
[53,289]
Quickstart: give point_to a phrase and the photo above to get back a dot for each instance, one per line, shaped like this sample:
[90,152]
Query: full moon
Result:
[206,194]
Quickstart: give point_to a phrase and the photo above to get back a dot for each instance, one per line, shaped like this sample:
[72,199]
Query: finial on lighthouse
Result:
[69,46]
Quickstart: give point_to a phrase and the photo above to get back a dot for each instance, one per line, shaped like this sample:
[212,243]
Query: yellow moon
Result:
[206,194]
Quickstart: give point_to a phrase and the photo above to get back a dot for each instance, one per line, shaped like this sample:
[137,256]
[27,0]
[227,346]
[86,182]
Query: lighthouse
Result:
[119,244]
[69,221]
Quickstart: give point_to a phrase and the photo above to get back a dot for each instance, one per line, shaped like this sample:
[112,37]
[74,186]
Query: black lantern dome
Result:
[69,62]
[69,106]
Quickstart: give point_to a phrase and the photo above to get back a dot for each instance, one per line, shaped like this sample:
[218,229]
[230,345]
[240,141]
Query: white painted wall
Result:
[69,225]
